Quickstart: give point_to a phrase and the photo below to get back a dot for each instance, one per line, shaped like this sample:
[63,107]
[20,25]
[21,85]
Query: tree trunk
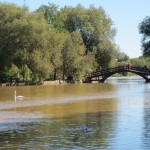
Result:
[63,74]
[55,73]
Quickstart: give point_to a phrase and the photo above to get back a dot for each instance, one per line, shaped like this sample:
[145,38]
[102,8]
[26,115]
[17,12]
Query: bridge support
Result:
[101,81]
[88,80]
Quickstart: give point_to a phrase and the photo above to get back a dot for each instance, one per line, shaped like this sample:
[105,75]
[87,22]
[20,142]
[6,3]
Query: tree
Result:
[49,12]
[54,47]
[74,61]
[11,19]
[95,27]
[122,57]
[144,29]
[39,65]
[105,53]
[141,61]
[49,42]
[23,35]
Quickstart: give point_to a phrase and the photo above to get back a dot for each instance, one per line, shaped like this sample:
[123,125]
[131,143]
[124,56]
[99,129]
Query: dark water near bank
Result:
[110,116]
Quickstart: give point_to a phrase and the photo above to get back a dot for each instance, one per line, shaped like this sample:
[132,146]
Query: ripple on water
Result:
[9,120]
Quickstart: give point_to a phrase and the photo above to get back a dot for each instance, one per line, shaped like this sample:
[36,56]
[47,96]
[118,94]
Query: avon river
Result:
[110,116]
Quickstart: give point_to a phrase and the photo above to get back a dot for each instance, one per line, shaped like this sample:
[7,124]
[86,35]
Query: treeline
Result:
[52,43]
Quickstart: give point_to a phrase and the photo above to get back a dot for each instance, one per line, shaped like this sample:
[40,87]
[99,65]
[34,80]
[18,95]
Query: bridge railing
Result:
[141,69]
[102,71]
[107,70]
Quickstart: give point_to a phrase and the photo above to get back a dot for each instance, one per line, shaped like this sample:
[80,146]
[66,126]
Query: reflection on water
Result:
[146,120]
[62,133]
[114,115]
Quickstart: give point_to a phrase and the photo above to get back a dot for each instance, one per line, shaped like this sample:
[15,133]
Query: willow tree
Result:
[55,44]
[22,39]
[73,52]
[102,36]
[95,27]
[36,54]
[10,22]
[73,58]
[10,16]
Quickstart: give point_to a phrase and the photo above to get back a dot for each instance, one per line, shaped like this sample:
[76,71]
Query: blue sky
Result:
[126,15]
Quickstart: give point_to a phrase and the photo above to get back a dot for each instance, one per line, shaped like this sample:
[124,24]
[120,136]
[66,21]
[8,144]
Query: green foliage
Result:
[23,36]
[141,61]
[14,71]
[144,29]
[104,54]
[49,12]
[4,74]
[39,65]
[93,24]
[7,72]
[53,43]
[122,57]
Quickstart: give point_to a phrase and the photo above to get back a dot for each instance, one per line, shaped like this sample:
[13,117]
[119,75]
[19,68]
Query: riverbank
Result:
[55,82]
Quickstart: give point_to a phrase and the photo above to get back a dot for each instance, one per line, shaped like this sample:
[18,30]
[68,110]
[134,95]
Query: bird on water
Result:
[18,97]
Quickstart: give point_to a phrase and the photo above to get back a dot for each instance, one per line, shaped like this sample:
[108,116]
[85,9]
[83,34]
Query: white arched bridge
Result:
[102,74]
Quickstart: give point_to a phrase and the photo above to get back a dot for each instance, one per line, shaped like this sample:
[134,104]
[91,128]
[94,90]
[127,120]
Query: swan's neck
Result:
[15,96]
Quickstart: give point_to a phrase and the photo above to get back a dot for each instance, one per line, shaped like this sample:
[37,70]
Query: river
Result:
[110,116]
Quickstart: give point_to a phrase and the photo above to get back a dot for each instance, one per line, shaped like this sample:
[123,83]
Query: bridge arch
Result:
[105,77]
[102,74]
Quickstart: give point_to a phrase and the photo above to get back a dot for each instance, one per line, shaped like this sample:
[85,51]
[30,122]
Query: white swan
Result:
[18,97]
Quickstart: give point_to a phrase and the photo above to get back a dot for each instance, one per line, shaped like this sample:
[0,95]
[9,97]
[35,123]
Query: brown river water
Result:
[110,116]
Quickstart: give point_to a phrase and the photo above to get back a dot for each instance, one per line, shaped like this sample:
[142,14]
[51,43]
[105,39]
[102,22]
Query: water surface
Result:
[114,115]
